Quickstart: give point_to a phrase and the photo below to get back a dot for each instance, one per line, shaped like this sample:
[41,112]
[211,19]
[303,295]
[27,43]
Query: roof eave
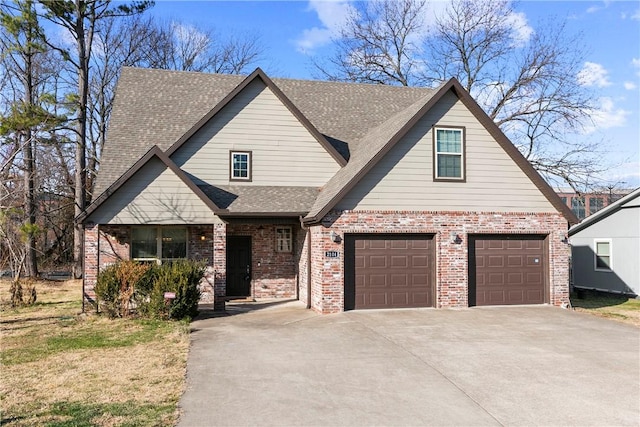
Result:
[604,212]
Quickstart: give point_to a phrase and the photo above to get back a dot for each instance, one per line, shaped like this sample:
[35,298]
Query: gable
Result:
[403,178]
[154,194]
[283,150]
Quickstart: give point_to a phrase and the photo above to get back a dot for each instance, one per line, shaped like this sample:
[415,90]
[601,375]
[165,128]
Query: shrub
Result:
[108,291]
[128,284]
[180,277]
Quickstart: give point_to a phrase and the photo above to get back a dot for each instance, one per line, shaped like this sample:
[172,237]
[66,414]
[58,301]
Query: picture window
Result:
[158,244]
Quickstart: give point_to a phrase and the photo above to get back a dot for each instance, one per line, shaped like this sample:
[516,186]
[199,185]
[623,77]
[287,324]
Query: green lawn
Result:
[617,307]
[63,368]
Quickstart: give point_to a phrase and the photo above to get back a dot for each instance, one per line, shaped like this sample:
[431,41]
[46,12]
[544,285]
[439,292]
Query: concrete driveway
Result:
[279,364]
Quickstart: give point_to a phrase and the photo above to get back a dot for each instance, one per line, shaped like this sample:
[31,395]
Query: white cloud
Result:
[630,85]
[635,62]
[521,30]
[636,15]
[605,4]
[333,15]
[593,74]
[606,116]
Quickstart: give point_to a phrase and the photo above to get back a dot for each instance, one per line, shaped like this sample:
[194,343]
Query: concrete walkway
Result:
[277,364]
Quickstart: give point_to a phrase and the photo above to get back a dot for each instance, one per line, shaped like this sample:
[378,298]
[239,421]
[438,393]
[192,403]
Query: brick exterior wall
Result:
[104,245]
[113,245]
[273,274]
[451,257]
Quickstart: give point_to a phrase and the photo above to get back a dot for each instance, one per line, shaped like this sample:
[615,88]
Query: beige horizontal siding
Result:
[403,179]
[283,151]
[154,195]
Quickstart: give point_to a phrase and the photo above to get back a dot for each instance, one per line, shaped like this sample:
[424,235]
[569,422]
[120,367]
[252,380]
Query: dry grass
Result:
[615,307]
[61,368]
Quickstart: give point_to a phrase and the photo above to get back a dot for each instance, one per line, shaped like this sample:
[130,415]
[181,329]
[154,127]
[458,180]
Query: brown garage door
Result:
[507,270]
[389,271]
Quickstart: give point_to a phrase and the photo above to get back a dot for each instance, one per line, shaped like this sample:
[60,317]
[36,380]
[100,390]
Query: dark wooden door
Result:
[507,270]
[238,266]
[389,271]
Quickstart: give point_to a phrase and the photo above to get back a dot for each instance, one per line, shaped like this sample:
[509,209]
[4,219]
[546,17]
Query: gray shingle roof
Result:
[156,107]
[240,199]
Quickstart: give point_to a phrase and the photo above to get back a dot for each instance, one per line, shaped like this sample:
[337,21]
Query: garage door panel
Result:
[513,244]
[399,261]
[534,244]
[375,244]
[399,280]
[494,278]
[377,261]
[515,278]
[398,244]
[419,261]
[392,271]
[376,280]
[533,260]
[507,270]
[495,261]
[421,244]
[514,261]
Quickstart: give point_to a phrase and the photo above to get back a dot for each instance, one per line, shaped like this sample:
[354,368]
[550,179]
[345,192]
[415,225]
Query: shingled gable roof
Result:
[155,151]
[604,212]
[259,74]
[157,107]
[378,145]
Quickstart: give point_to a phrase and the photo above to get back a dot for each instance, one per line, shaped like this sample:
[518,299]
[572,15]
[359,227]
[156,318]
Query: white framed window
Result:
[602,254]
[449,149]
[158,244]
[284,239]
[240,165]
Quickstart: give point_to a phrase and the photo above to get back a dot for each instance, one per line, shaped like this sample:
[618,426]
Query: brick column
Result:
[91,264]
[219,265]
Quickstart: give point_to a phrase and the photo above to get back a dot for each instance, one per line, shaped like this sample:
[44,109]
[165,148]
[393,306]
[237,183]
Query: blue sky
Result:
[293,31]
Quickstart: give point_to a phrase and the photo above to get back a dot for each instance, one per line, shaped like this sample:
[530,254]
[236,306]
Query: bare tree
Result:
[380,43]
[182,47]
[526,80]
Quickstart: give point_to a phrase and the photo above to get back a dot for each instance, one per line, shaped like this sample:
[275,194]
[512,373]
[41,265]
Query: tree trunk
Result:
[80,157]
[31,263]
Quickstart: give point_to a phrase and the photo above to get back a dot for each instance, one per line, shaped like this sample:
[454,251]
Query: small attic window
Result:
[448,157]
[240,166]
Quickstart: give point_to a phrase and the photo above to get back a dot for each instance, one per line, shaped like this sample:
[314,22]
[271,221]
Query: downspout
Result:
[308,230]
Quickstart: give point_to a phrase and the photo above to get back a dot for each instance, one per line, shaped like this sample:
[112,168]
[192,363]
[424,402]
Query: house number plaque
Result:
[332,254]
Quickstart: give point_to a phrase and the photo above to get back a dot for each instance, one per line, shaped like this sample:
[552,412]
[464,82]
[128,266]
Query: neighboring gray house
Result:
[606,248]
[345,196]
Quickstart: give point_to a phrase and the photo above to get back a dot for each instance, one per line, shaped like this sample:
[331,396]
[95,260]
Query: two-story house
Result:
[345,196]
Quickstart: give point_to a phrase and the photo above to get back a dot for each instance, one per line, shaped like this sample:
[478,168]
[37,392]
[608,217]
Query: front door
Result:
[238,266]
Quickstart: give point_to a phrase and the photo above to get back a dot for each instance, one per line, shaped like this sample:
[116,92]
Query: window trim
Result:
[158,259]
[596,256]
[463,154]
[249,177]
[290,239]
